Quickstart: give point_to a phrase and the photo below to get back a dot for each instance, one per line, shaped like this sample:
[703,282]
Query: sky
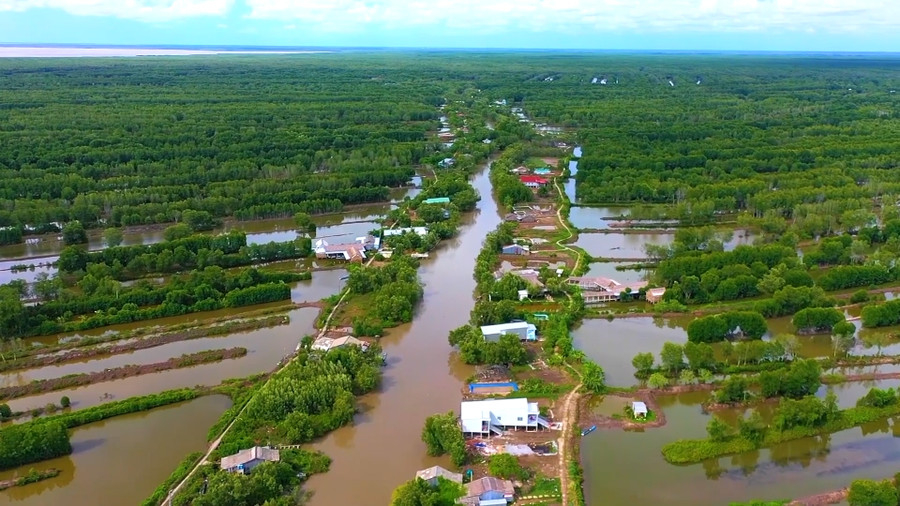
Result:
[744,25]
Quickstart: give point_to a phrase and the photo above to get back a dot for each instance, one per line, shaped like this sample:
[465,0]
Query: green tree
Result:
[658,381]
[872,493]
[643,362]
[65,402]
[305,224]
[672,357]
[592,377]
[74,233]
[687,377]
[699,355]
[5,411]
[717,429]
[177,231]
[113,237]
[733,389]
[442,434]
[752,428]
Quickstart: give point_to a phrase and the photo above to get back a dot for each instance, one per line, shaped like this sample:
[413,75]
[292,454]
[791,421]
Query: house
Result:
[519,170]
[523,294]
[487,141]
[639,409]
[655,295]
[543,171]
[352,252]
[488,491]
[529,275]
[432,474]
[515,249]
[437,200]
[533,181]
[526,331]
[369,242]
[599,289]
[493,416]
[406,230]
[446,162]
[245,460]
[329,343]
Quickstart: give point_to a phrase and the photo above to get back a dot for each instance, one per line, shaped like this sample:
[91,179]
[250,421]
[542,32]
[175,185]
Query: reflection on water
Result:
[121,460]
[608,270]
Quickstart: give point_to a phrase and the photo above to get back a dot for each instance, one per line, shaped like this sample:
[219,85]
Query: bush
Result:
[859,296]
[504,465]
[658,380]
[872,493]
[33,442]
[65,402]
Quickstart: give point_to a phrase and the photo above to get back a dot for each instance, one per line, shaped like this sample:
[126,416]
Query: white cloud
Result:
[565,15]
[143,10]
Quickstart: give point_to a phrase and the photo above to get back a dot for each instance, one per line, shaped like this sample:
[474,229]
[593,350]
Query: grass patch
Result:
[544,486]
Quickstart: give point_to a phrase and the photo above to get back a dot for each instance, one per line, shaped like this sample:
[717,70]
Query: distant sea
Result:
[92,50]
[99,50]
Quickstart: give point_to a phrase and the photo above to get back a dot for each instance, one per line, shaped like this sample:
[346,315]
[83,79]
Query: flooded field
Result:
[423,377]
[794,469]
[594,217]
[265,348]
[630,246]
[121,460]
[609,270]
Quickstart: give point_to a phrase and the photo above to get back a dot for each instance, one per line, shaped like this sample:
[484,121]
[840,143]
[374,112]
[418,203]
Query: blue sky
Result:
[788,25]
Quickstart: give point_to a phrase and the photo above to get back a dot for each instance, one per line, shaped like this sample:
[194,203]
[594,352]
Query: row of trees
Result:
[474,349]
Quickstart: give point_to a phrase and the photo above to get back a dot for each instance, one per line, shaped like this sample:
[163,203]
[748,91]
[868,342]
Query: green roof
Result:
[438,200]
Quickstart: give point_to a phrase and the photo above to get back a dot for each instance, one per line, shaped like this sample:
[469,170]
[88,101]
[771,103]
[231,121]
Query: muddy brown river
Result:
[382,449]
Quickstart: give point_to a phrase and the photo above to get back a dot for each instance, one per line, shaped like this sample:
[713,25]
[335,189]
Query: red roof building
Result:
[533,181]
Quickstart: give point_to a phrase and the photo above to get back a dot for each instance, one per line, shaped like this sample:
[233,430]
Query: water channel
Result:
[382,448]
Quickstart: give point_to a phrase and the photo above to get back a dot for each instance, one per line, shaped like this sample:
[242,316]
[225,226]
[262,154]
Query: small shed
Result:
[437,200]
[639,409]
[523,294]
[432,474]
[543,171]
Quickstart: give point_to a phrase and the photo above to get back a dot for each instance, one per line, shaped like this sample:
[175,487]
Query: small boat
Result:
[585,432]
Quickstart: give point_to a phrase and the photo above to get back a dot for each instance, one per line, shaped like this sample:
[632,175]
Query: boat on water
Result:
[585,432]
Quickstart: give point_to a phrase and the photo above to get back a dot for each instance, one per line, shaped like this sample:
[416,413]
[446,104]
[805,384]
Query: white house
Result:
[481,418]
[329,343]
[639,409]
[600,289]
[407,230]
[354,252]
[526,331]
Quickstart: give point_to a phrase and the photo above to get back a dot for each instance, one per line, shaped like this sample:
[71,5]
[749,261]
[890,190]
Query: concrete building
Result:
[432,474]
[245,460]
[533,181]
[351,252]
[493,416]
[526,331]
[599,289]
[369,242]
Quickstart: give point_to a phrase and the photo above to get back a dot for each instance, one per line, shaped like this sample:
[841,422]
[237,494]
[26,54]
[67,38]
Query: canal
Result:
[382,448]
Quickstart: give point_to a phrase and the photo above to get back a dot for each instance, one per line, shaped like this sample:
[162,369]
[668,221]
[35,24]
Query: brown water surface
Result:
[121,460]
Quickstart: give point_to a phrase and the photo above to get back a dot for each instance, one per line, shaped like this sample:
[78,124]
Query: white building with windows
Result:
[493,416]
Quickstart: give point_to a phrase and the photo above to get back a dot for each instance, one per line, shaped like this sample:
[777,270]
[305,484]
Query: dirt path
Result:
[560,243]
[569,421]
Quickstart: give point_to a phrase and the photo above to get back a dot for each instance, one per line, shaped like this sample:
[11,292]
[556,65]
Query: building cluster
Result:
[487,491]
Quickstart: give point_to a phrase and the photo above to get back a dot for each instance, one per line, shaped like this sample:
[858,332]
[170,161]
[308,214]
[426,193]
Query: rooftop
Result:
[438,472]
[488,484]
[502,327]
[249,455]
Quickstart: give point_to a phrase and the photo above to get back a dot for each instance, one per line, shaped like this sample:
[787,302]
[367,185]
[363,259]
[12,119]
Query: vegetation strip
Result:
[691,451]
[32,476]
[76,380]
